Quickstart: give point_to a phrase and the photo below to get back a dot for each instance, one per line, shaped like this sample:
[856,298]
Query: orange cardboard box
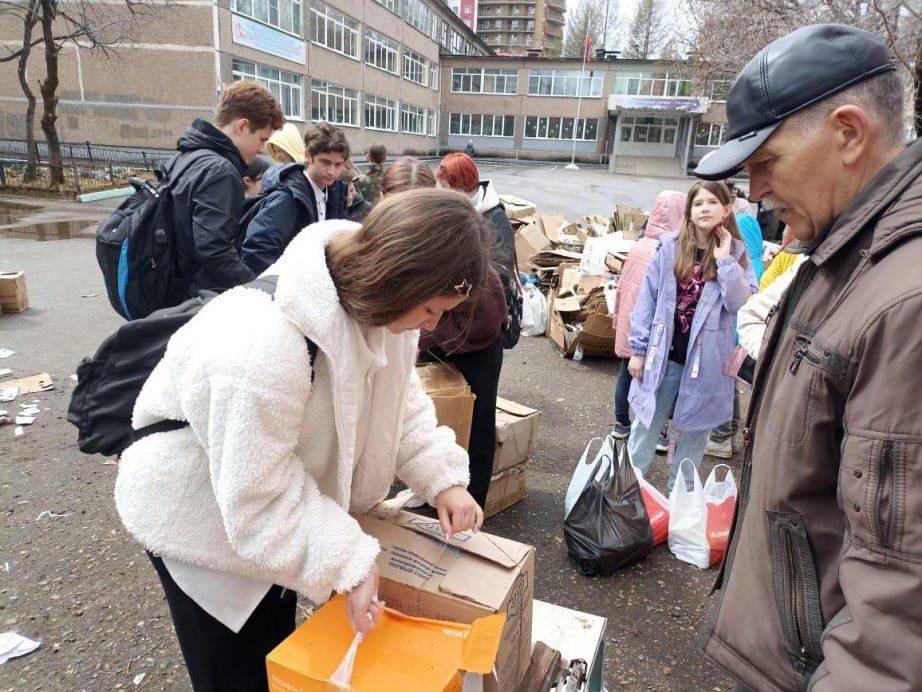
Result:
[401,654]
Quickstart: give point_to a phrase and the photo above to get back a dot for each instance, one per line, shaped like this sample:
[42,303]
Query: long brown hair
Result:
[413,246]
[687,242]
[405,174]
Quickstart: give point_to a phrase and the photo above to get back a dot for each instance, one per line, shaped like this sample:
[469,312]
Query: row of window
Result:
[536,126]
[499,25]
[649,129]
[286,15]
[334,30]
[517,10]
[710,134]
[486,80]
[338,104]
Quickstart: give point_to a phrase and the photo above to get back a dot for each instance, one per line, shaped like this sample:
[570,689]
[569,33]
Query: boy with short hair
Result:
[208,195]
[297,195]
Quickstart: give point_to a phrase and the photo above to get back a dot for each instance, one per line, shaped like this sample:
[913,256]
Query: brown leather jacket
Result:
[822,584]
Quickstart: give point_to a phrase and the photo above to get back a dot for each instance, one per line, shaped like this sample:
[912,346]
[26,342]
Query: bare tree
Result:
[597,17]
[726,34]
[648,32]
[81,23]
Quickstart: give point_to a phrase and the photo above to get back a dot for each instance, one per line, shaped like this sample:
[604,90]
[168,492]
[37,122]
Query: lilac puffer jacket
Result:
[705,397]
[665,217]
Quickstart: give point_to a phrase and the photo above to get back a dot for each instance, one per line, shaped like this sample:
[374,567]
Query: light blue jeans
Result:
[641,446]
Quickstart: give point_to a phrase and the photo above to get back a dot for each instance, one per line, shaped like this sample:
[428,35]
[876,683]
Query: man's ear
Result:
[853,131]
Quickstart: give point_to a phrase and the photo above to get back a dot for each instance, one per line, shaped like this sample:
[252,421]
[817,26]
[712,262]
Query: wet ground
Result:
[78,582]
[47,219]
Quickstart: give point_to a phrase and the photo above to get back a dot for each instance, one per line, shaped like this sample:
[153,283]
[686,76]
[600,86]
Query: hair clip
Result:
[463,288]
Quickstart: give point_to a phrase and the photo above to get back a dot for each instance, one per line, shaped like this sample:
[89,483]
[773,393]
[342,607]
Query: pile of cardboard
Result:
[13,294]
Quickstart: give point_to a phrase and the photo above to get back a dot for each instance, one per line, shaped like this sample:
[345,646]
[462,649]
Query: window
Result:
[434,122]
[530,25]
[531,11]
[389,4]
[285,86]
[515,24]
[542,127]
[498,23]
[719,89]
[710,134]
[565,83]
[516,9]
[433,76]
[413,119]
[334,103]
[380,113]
[651,84]
[479,80]
[478,125]
[282,14]
[418,14]
[414,67]
[334,30]
[380,51]
[649,130]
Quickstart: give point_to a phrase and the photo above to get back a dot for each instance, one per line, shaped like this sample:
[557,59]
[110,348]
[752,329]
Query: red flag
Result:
[587,52]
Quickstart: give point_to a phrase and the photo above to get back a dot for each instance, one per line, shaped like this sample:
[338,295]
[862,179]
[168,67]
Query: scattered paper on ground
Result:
[25,420]
[13,645]
[6,353]
[31,384]
[5,371]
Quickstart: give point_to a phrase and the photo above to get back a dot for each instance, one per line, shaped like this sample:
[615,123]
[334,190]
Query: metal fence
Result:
[88,153]
[79,178]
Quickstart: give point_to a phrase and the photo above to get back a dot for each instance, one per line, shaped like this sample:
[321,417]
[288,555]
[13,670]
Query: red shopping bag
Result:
[720,498]
[657,508]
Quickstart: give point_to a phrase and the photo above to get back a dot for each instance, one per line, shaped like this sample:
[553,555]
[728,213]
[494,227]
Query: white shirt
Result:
[320,195]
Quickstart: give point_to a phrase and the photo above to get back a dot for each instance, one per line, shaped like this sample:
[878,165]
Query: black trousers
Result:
[481,369]
[217,658]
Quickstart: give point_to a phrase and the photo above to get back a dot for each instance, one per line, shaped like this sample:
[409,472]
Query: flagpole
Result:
[579,102]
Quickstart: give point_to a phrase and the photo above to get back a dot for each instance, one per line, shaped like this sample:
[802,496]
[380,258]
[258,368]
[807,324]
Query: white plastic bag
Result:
[584,470]
[688,519]
[534,311]
[720,499]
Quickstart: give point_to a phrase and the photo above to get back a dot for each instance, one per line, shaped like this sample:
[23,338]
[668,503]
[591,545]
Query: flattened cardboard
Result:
[472,576]
[597,335]
[13,294]
[516,207]
[32,384]
[550,225]
[516,432]
[506,489]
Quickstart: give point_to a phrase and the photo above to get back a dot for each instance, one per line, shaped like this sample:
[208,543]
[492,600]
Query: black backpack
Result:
[136,247]
[109,382]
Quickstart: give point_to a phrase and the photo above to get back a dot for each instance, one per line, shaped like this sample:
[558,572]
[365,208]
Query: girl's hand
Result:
[724,243]
[362,605]
[458,511]
[635,366]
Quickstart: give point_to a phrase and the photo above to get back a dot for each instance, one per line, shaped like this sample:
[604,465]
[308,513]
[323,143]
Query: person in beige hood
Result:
[820,585]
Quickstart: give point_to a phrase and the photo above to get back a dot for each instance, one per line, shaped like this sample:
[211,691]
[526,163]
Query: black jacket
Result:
[287,206]
[359,209]
[207,203]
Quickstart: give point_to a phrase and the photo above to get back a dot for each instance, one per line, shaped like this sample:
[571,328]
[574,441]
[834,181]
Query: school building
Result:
[409,74]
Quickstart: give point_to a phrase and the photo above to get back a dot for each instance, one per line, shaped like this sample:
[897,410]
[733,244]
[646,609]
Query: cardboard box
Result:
[529,241]
[516,432]
[388,659]
[475,575]
[506,488]
[452,397]
[550,225]
[596,335]
[13,294]
[516,207]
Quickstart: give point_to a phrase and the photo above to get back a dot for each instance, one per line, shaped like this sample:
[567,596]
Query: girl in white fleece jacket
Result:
[254,497]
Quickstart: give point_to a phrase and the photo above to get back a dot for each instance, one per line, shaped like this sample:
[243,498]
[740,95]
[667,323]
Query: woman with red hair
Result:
[481,367]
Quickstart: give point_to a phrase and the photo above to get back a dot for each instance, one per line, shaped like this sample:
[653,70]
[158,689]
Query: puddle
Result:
[16,218]
[11,213]
[52,230]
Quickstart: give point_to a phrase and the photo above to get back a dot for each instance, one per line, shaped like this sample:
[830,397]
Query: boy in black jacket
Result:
[208,196]
[297,195]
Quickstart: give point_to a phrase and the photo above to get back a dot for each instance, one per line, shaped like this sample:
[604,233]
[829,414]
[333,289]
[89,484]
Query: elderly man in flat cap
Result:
[821,587]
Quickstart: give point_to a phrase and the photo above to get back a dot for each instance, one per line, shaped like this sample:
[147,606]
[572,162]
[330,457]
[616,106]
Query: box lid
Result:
[442,378]
[513,408]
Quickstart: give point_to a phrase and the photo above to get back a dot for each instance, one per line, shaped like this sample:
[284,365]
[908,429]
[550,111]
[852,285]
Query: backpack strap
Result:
[266,284]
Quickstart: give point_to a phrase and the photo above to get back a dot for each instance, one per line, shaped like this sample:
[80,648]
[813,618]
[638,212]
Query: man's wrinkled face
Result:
[797,173]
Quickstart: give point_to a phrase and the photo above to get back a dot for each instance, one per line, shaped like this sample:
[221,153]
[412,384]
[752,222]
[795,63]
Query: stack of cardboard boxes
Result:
[13,294]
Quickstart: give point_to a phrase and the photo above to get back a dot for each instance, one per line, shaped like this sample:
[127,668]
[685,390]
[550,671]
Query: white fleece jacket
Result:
[752,317]
[238,491]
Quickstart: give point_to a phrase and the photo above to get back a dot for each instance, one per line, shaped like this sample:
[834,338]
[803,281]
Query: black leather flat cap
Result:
[791,73]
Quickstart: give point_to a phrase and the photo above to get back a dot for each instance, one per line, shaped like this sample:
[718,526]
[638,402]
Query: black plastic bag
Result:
[608,528]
